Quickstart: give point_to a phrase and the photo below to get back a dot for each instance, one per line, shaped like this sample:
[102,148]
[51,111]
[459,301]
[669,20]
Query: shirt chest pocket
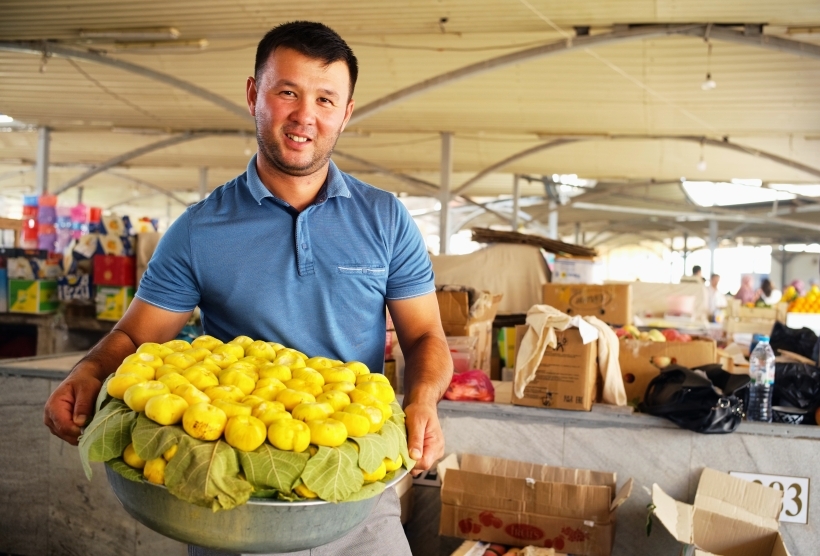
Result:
[362,270]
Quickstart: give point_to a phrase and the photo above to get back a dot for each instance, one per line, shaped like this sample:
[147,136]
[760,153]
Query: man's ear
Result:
[250,95]
[348,112]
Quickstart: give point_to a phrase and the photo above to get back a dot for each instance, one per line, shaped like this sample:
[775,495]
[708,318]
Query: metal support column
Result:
[203,181]
[516,199]
[553,220]
[713,234]
[578,240]
[41,166]
[685,251]
[80,195]
[444,197]
[784,262]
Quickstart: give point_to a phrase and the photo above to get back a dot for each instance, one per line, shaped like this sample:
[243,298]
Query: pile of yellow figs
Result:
[249,392]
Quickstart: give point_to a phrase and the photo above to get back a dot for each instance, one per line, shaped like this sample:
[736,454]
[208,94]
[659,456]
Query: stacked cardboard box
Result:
[640,361]
[567,375]
[115,278]
[612,303]
[458,318]
[519,504]
[730,517]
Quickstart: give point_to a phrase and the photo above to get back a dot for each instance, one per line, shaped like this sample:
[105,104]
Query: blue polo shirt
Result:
[316,281]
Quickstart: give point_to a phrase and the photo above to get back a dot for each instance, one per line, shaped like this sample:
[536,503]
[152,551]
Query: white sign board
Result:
[795,494]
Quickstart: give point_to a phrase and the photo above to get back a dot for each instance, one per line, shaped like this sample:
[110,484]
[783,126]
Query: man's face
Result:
[714,280]
[301,107]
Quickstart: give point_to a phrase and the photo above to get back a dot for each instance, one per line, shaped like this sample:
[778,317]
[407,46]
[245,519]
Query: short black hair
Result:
[696,269]
[314,40]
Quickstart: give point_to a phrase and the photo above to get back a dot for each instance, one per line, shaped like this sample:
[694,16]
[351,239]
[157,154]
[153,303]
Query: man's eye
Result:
[287,93]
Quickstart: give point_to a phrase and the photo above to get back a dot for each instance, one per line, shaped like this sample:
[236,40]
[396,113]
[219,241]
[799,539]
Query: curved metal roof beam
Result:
[425,186]
[151,186]
[550,49]
[119,159]
[627,33]
[725,144]
[45,48]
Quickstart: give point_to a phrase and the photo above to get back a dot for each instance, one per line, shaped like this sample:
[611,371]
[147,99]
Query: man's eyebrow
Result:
[291,84]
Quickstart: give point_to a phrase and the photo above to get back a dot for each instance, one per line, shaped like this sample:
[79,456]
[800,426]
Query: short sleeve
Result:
[169,281]
[411,272]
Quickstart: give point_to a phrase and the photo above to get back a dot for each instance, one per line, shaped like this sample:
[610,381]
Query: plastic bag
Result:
[797,385]
[470,386]
[800,341]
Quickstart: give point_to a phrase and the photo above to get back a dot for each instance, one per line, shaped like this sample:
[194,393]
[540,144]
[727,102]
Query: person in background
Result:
[746,293]
[717,300]
[768,294]
[799,286]
[697,276]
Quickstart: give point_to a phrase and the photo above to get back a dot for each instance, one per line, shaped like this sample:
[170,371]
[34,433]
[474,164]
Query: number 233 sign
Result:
[795,494]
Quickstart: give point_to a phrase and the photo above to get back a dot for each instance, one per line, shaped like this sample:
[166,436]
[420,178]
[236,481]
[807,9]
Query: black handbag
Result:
[711,401]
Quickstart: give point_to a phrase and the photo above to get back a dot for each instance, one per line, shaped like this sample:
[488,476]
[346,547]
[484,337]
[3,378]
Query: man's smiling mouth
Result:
[297,138]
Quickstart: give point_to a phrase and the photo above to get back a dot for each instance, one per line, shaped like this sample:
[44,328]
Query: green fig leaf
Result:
[398,414]
[367,491]
[119,466]
[392,434]
[269,467]
[206,474]
[107,435]
[372,451]
[151,440]
[103,397]
[333,473]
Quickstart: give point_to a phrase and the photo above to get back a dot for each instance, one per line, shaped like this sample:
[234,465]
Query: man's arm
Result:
[70,405]
[428,370]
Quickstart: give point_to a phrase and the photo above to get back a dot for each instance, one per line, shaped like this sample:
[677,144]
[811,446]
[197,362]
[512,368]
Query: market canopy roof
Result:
[606,91]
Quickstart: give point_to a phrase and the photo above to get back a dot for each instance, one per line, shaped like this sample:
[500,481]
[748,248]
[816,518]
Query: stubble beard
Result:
[272,151]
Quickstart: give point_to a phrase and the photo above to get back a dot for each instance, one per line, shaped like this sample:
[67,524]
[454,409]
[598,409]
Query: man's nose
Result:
[304,112]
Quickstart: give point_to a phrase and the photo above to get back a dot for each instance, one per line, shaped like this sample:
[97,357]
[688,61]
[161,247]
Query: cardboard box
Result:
[612,303]
[566,377]
[577,271]
[112,302]
[113,270]
[735,326]
[33,296]
[777,312]
[457,320]
[730,517]
[637,369]
[74,287]
[521,504]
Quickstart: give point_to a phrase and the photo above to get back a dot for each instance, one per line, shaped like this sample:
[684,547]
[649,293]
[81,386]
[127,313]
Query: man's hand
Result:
[425,440]
[71,405]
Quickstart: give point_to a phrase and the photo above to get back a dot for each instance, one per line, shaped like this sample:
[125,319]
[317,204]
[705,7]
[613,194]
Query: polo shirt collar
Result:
[335,185]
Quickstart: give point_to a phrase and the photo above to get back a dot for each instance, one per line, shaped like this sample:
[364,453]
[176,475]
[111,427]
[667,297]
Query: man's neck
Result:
[298,191]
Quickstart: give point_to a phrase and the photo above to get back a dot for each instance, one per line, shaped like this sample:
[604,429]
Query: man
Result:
[717,300]
[295,251]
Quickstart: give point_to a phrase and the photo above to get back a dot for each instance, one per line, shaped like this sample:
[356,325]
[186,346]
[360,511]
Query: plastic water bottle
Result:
[761,371]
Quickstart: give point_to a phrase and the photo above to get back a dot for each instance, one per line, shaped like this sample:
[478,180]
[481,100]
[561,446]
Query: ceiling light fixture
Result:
[149,34]
[702,162]
[709,83]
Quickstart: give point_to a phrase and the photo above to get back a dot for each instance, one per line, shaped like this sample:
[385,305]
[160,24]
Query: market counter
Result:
[60,511]
[49,505]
